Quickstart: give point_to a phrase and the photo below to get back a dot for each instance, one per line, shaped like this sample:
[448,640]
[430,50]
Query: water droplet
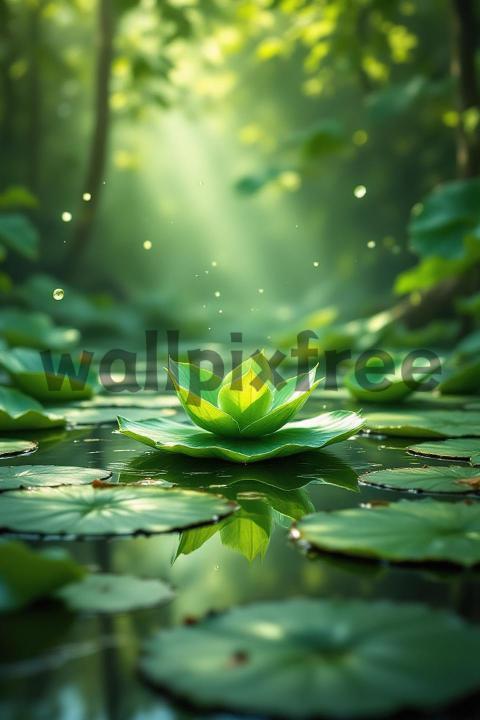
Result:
[371,244]
[261,291]
[316,263]
[217,567]
[147,244]
[87,197]
[58,294]
[66,216]
[360,191]
[217,293]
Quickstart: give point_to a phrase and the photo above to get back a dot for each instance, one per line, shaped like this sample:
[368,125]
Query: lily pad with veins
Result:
[466,449]
[434,479]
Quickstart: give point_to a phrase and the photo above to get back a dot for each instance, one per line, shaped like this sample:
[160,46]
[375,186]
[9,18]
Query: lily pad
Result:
[15,477]
[20,412]
[435,479]
[27,371]
[342,659]
[467,449]
[35,330]
[27,575]
[84,415]
[296,437]
[9,448]
[107,593]
[85,511]
[404,531]
[384,386]
[425,423]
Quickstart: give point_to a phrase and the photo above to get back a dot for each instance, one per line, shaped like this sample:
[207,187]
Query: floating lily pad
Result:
[84,415]
[29,373]
[405,531]
[148,400]
[467,449]
[294,438]
[104,592]
[425,423]
[20,412]
[35,330]
[315,658]
[435,479]
[9,448]
[27,575]
[15,477]
[84,510]
[375,382]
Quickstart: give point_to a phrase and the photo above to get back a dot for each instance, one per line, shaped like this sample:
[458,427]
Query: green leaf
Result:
[389,387]
[26,476]
[449,215]
[18,234]
[35,330]
[317,658]
[294,438]
[247,403]
[27,575]
[20,412]
[425,423]
[248,530]
[27,371]
[84,511]
[17,196]
[433,479]
[405,531]
[107,593]
[456,449]
[9,448]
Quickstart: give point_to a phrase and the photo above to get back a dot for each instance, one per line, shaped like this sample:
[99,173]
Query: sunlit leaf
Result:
[435,479]
[20,412]
[467,449]
[9,448]
[19,234]
[26,476]
[85,510]
[404,531]
[425,423]
[314,433]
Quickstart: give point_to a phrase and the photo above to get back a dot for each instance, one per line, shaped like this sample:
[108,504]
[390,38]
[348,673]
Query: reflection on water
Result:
[57,665]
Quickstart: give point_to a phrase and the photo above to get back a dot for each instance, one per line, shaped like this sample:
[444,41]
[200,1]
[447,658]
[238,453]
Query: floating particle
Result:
[316,263]
[147,244]
[261,291]
[220,312]
[58,294]
[371,244]
[360,191]
[217,293]
[87,197]
[214,263]
[66,216]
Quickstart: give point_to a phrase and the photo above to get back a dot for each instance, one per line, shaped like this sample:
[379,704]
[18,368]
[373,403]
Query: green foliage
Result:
[367,659]
[85,511]
[467,449]
[404,531]
[294,438]
[35,330]
[26,575]
[425,423]
[107,593]
[20,412]
[19,234]
[27,476]
[434,479]
[10,448]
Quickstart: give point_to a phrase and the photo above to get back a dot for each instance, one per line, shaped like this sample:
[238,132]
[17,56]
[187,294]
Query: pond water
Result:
[78,667]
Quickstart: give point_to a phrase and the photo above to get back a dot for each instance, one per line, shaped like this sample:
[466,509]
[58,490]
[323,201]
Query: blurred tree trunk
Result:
[7,89]
[34,128]
[465,34]
[95,169]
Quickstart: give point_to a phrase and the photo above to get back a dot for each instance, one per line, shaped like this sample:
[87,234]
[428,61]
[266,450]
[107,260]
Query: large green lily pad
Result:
[405,531]
[9,448]
[84,510]
[306,658]
[435,479]
[27,371]
[20,412]
[296,437]
[26,476]
[425,423]
[467,449]
[104,592]
[27,575]
[35,330]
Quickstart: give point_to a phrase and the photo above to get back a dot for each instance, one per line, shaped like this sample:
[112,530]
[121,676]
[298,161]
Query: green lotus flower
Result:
[243,418]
